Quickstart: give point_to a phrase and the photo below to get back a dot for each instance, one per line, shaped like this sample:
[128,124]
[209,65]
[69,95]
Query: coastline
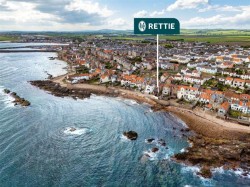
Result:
[215,144]
[205,125]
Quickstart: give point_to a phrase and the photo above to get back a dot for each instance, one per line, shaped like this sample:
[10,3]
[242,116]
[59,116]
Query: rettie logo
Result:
[142,26]
[156,26]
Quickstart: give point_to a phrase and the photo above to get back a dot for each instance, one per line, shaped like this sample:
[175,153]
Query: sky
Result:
[82,15]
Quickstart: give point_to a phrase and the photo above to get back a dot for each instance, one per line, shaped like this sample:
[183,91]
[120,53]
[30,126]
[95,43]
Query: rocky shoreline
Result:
[213,146]
[18,100]
[59,91]
[210,153]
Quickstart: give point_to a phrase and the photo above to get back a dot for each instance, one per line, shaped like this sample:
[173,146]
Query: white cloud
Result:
[141,14]
[186,4]
[241,19]
[144,13]
[117,22]
[89,7]
[157,13]
[24,12]
[219,8]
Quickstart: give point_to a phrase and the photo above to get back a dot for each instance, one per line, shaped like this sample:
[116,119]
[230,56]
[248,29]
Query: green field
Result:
[7,38]
[194,35]
[241,37]
[210,38]
[243,40]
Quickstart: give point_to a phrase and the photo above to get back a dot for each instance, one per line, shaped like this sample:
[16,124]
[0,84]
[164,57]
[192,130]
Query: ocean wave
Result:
[218,170]
[75,131]
[124,138]
[195,170]
[241,172]
[130,102]
[151,155]
[183,150]
[187,169]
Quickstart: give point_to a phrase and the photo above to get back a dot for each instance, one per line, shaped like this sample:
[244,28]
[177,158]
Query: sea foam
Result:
[75,131]
[6,98]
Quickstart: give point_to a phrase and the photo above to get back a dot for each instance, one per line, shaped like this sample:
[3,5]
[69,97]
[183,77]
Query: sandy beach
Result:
[210,126]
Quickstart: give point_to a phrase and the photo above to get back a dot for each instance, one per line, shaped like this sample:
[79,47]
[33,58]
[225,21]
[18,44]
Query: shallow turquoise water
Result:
[37,149]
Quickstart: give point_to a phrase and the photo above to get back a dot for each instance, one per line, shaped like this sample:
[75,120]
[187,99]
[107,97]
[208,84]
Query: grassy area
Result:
[209,38]
[7,38]
[188,35]
[242,39]
[196,35]
[214,32]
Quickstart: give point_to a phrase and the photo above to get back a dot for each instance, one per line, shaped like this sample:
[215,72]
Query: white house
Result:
[149,89]
[238,82]
[241,106]
[76,78]
[188,93]
[246,76]
[229,81]
[105,78]
[207,69]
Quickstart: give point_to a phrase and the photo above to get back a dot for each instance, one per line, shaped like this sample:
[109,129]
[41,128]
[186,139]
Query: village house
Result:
[132,81]
[238,82]
[166,90]
[226,65]
[177,77]
[195,64]
[223,109]
[188,93]
[231,96]
[241,106]
[105,78]
[229,81]
[245,76]
[204,98]
[149,89]
[75,78]
[193,80]
[164,77]
[207,69]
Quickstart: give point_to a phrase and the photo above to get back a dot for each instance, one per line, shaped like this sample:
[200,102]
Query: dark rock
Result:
[18,100]
[205,172]
[72,129]
[162,142]
[6,91]
[245,174]
[155,149]
[25,103]
[150,140]
[132,135]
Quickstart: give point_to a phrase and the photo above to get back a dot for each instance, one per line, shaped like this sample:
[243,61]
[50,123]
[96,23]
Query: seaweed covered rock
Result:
[6,91]
[132,135]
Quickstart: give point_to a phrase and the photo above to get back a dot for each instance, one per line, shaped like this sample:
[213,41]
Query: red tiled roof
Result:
[225,105]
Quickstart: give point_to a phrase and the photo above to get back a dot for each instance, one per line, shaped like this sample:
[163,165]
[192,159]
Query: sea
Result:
[39,148]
